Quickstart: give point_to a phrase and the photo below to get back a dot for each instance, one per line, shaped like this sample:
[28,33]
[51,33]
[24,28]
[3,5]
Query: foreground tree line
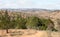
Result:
[32,22]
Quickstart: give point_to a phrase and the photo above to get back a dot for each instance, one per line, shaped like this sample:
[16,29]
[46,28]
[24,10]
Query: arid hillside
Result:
[53,15]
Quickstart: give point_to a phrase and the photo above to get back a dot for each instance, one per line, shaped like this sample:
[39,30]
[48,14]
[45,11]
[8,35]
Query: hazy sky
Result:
[45,4]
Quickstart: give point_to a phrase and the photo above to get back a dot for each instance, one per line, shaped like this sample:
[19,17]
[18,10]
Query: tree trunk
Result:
[7,31]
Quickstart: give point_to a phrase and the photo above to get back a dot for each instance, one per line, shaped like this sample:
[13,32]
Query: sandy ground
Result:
[28,33]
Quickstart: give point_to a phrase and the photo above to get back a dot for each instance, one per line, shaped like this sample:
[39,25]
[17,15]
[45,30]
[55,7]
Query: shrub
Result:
[20,23]
[32,22]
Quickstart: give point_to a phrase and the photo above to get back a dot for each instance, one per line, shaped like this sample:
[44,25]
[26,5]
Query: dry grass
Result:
[28,33]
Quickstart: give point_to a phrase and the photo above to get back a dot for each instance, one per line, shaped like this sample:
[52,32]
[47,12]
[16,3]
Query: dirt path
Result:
[28,33]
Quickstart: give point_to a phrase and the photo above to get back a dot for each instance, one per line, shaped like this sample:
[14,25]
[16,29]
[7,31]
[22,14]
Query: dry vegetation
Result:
[53,15]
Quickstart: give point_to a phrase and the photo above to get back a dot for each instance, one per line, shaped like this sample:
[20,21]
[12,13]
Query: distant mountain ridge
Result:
[33,9]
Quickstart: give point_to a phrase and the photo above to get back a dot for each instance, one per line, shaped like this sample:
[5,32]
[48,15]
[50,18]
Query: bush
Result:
[20,23]
[39,23]
[43,24]
[32,22]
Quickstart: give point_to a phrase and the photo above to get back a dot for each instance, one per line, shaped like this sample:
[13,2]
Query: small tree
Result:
[5,21]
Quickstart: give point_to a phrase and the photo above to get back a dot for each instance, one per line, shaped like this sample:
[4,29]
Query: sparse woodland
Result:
[22,22]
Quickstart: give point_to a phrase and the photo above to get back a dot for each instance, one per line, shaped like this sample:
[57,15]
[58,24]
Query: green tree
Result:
[20,22]
[32,22]
[5,21]
[46,24]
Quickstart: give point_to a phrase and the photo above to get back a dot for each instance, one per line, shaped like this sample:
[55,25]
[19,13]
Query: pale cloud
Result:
[46,4]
